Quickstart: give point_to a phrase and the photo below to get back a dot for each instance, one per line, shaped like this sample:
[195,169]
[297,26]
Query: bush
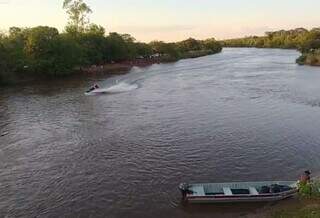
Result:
[302,59]
[305,189]
[309,190]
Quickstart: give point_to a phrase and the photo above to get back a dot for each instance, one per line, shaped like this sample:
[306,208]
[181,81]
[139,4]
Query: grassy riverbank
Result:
[306,205]
[302,208]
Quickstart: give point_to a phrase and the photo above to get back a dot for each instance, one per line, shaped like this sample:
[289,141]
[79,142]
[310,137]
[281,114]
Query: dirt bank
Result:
[119,67]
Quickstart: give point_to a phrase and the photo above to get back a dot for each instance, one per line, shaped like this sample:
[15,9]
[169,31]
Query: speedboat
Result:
[118,88]
[238,191]
[96,91]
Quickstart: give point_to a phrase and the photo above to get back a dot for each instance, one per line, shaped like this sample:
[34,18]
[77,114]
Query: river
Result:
[241,115]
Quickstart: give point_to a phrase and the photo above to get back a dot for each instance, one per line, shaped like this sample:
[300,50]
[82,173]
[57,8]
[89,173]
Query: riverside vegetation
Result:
[307,42]
[43,51]
[306,206]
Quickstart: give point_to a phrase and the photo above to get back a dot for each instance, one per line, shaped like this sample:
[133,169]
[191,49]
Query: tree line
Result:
[307,42]
[44,50]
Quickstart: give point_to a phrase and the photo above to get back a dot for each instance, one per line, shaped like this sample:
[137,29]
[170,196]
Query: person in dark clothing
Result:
[305,186]
[305,178]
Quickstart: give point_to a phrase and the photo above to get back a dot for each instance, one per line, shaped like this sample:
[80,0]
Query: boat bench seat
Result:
[198,191]
[253,191]
[227,191]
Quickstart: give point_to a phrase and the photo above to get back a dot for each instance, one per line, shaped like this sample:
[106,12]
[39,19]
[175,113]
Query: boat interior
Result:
[247,188]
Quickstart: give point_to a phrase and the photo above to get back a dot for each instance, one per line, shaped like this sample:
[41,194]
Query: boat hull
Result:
[244,199]
[238,192]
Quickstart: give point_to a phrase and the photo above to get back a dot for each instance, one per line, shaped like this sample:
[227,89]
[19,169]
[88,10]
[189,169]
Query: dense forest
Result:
[43,51]
[307,42]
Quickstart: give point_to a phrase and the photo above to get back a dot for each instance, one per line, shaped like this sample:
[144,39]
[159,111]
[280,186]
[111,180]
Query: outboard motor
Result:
[184,188]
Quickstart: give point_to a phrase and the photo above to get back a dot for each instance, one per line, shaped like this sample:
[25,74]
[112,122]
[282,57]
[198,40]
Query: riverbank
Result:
[291,208]
[303,40]
[44,51]
[119,67]
[124,66]
[306,204]
[300,208]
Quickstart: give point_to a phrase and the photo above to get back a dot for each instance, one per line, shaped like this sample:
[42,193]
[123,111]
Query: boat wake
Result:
[118,88]
[122,87]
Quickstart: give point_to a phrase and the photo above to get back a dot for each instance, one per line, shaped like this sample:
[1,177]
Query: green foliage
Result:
[305,189]
[117,48]
[305,41]
[143,50]
[189,45]
[3,63]
[307,205]
[189,48]
[292,39]
[309,190]
[315,186]
[94,29]
[212,44]
[65,57]
[43,50]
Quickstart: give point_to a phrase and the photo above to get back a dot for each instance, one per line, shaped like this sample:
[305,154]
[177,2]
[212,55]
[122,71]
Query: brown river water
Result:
[242,115]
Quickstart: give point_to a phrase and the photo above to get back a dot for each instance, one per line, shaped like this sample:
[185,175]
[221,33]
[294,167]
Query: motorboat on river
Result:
[238,191]
[117,88]
[96,90]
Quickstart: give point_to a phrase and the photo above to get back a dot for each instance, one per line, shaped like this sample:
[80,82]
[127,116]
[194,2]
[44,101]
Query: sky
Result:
[171,20]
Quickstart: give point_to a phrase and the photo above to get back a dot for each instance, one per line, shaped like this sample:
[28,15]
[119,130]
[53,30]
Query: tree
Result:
[189,45]
[78,15]
[163,48]
[212,44]
[67,54]
[130,45]
[38,41]
[95,29]
[116,48]
[3,60]
[143,49]
[128,38]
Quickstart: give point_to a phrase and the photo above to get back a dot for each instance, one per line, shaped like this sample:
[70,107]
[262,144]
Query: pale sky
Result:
[171,20]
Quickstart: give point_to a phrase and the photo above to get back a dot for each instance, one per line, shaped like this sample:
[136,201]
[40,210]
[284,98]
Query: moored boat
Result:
[238,191]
